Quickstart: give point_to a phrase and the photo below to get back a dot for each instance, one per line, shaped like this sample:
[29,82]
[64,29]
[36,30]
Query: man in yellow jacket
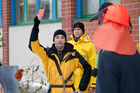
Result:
[82,43]
[60,61]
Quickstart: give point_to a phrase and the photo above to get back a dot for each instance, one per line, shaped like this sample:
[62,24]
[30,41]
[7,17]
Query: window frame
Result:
[56,10]
[1,13]
[79,9]
[54,13]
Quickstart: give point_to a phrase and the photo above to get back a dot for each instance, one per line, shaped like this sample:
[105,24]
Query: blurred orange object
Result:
[118,14]
[41,12]
[18,74]
[114,35]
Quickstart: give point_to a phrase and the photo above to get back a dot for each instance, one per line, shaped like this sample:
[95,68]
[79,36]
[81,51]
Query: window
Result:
[26,10]
[0,13]
[86,8]
[59,9]
[19,11]
[90,6]
[31,10]
[47,5]
[113,1]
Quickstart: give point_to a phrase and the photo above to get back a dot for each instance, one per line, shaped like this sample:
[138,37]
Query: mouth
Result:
[59,43]
[76,33]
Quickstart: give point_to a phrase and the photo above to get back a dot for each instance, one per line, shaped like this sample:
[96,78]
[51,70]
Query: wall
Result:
[19,53]
[6,21]
[68,14]
[1,56]
[133,7]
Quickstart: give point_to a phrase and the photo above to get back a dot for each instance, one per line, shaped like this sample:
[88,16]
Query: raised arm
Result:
[34,42]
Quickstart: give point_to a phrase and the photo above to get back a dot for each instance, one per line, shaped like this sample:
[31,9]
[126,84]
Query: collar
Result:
[68,48]
[83,38]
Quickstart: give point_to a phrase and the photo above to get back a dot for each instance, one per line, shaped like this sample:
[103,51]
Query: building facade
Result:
[16,21]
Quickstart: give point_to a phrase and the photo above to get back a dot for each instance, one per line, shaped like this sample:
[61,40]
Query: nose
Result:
[60,39]
[76,30]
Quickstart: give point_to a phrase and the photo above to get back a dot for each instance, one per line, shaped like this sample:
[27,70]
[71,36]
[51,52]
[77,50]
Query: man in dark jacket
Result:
[119,62]
[60,61]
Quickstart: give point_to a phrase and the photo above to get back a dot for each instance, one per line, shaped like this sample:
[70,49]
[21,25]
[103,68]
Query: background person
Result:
[82,43]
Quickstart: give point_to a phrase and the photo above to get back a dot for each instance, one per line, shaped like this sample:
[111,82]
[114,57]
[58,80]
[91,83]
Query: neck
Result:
[76,38]
[59,50]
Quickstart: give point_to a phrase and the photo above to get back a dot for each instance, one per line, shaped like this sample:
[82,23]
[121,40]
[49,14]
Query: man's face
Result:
[59,41]
[78,32]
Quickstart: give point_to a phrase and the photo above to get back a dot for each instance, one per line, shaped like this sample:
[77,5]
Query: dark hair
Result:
[102,7]
[101,11]
[106,4]
[79,25]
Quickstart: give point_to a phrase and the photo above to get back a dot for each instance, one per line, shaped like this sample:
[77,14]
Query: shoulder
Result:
[70,41]
[76,53]
[91,44]
[108,54]
[68,45]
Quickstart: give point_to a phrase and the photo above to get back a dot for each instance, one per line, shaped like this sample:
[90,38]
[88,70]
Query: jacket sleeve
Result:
[86,73]
[34,42]
[91,60]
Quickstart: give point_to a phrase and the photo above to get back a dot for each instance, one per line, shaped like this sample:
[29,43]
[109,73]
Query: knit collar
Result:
[68,48]
[83,38]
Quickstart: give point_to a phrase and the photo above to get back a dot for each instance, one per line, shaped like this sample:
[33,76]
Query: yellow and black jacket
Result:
[60,72]
[86,48]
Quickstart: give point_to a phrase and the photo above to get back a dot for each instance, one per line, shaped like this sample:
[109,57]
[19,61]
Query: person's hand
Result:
[94,72]
[36,22]
[91,90]
[39,17]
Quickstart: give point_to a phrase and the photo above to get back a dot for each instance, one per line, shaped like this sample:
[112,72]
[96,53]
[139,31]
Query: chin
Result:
[60,47]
